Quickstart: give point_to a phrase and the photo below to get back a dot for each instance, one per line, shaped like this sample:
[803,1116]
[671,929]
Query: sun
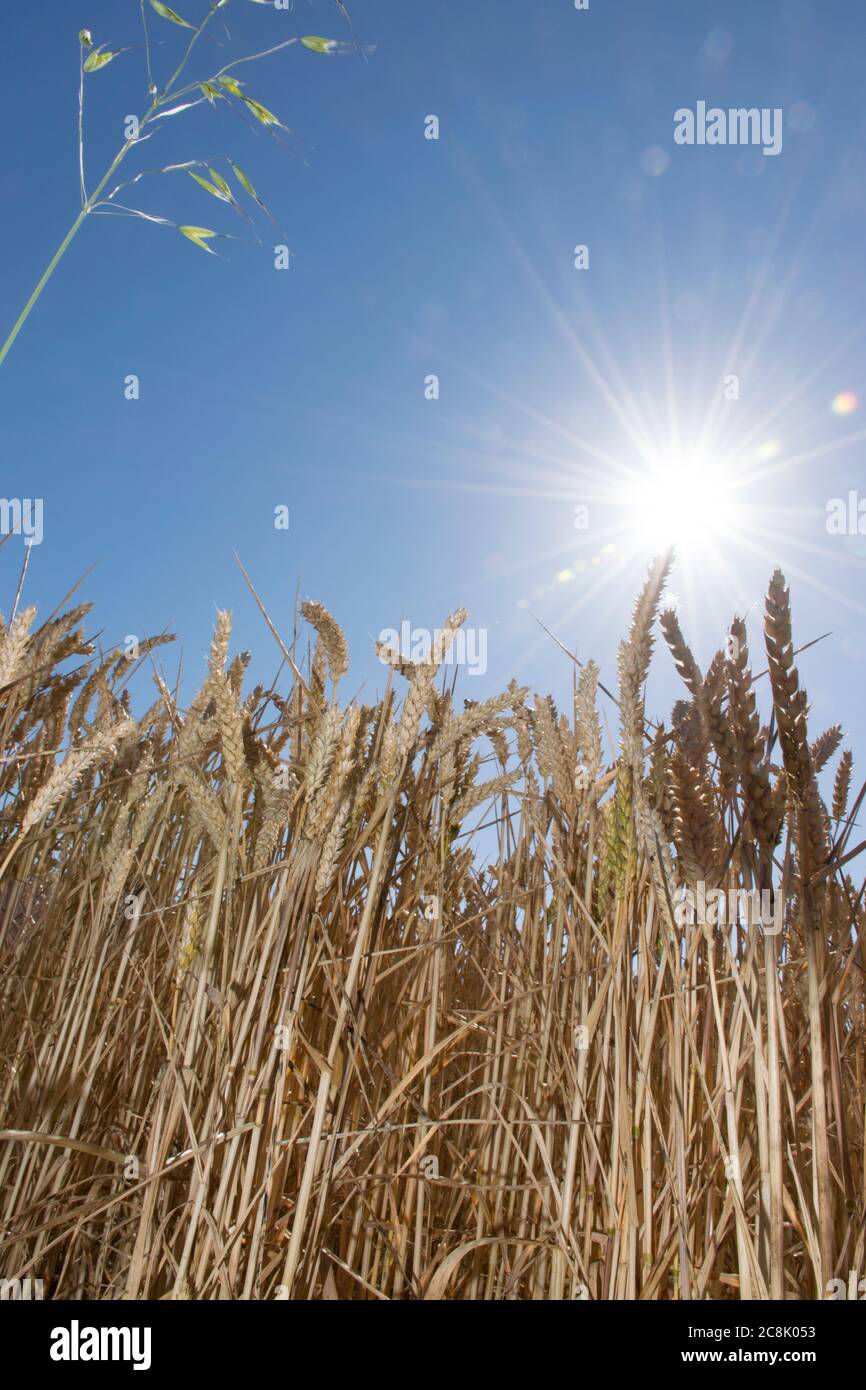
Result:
[682,500]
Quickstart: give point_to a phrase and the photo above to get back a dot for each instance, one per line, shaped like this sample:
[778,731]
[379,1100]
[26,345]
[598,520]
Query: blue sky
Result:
[558,387]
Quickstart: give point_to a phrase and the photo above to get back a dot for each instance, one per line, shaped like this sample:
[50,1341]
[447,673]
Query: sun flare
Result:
[682,501]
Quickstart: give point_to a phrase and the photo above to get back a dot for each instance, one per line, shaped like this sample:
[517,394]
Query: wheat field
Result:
[309,999]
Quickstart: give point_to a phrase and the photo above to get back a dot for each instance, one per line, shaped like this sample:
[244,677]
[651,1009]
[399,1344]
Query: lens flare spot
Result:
[770,449]
[845,403]
[654,161]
